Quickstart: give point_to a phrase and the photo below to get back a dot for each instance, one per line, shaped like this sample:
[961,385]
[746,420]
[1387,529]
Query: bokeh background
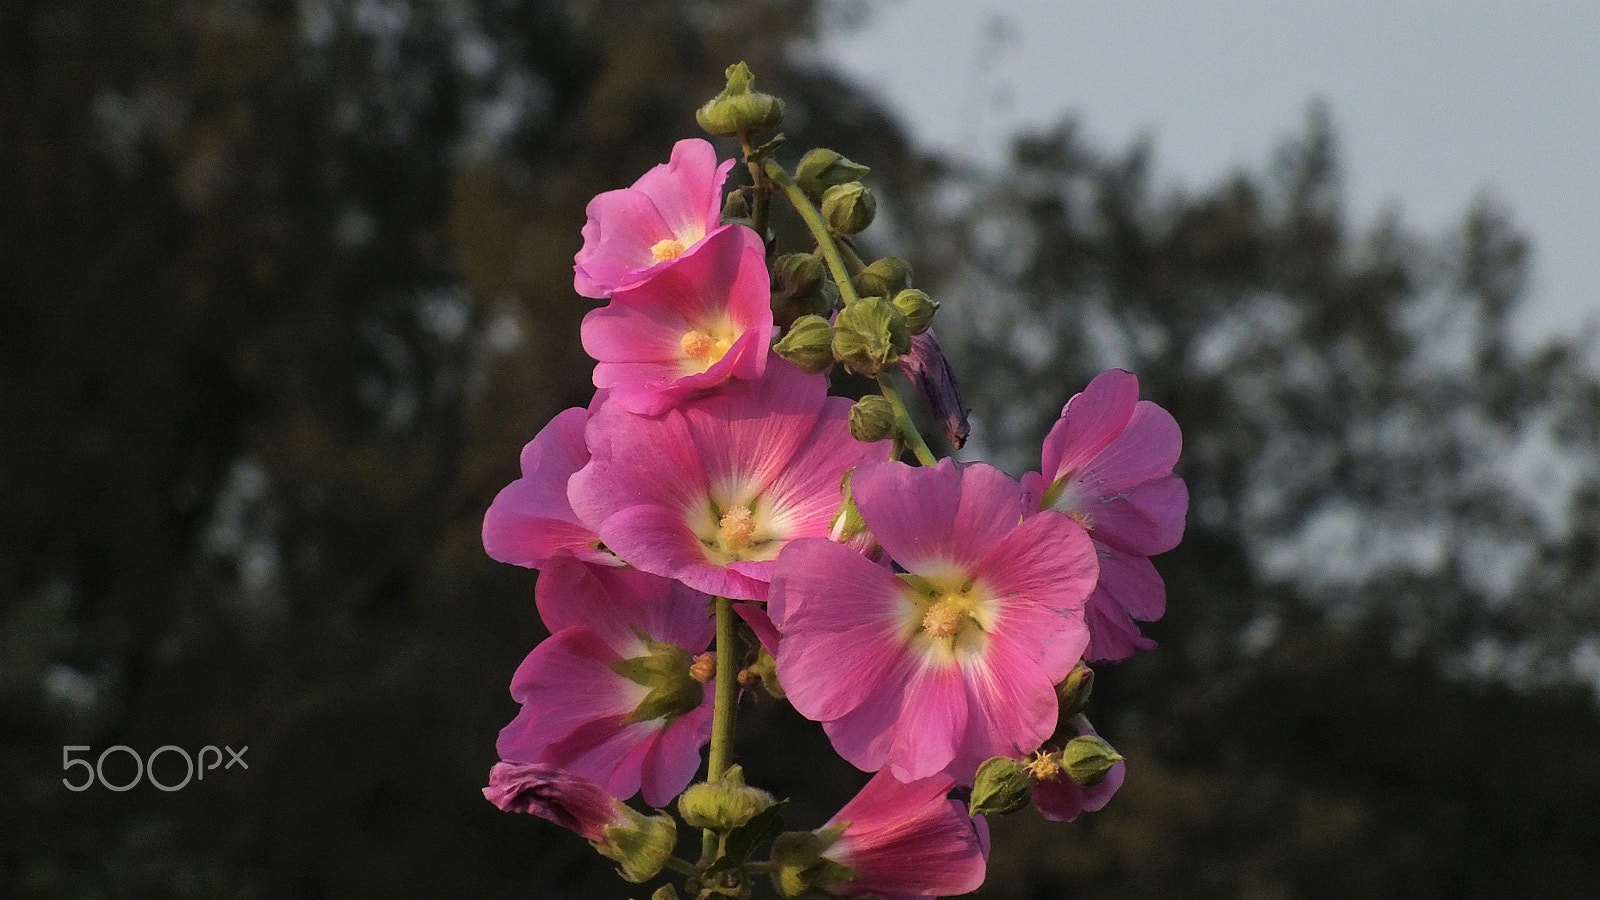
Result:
[286,286]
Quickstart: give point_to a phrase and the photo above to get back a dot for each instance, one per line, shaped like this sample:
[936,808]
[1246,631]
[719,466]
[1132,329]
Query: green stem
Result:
[819,230]
[760,189]
[681,867]
[724,707]
[908,428]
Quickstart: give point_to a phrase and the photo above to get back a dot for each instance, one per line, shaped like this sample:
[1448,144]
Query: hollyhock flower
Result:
[954,662]
[689,327]
[530,520]
[640,844]
[710,492]
[633,232]
[611,695]
[893,840]
[1059,798]
[1108,463]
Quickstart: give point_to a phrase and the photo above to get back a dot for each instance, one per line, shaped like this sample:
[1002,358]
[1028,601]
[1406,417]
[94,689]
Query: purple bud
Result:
[930,373]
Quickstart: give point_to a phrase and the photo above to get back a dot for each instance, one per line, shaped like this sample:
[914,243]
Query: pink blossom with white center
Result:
[1108,463]
[954,662]
[530,520]
[690,327]
[908,841]
[634,231]
[709,492]
[581,710]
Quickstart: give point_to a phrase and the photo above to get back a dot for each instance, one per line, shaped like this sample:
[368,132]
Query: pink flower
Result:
[1108,463]
[1060,799]
[634,231]
[571,801]
[689,327]
[530,520]
[710,492]
[954,662]
[908,841]
[610,696]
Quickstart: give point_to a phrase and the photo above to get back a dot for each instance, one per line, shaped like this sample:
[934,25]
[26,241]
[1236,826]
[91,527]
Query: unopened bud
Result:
[765,670]
[1088,759]
[869,335]
[723,805]
[640,845]
[1073,693]
[797,284]
[736,208]
[849,208]
[823,168]
[917,308]
[847,523]
[798,867]
[871,419]
[809,344]
[1001,787]
[886,277]
[739,109]
[665,892]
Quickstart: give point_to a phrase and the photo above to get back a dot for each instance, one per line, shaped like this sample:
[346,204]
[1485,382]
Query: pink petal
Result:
[674,758]
[807,493]
[1090,422]
[932,723]
[530,519]
[1061,799]
[687,191]
[761,624]
[607,751]
[932,518]
[1146,519]
[571,801]
[749,433]
[1129,589]
[864,735]
[1013,709]
[637,460]
[618,603]
[1041,574]
[564,684]
[909,840]
[1148,448]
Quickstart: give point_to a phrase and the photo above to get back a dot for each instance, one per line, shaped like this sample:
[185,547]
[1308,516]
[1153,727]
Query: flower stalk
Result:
[818,228]
[724,707]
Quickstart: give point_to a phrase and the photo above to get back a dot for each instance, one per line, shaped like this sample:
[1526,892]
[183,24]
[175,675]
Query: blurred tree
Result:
[1384,492]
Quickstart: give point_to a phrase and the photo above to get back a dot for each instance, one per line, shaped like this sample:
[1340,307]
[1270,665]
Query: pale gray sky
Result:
[1433,101]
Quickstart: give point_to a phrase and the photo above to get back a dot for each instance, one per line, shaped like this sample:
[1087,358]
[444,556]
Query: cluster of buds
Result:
[715,526]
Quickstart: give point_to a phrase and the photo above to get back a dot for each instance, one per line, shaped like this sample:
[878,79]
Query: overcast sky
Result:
[1433,101]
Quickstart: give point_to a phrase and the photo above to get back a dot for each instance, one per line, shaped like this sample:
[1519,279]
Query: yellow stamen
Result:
[1043,767]
[704,667]
[1082,518]
[670,248]
[943,619]
[736,528]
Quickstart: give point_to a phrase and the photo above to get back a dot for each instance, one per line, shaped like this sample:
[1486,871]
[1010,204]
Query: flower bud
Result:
[1088,759]
[736,208]
[667,670]
[884,278]
[1073,693]
[665,892]
[917,308]
[869,335]
[849,208]
[798,867]
[723,805]
[823,168]
[797,288]
[739,109]
[765,668]
[1001,787]
[640,844]
[809,344]
[871,419]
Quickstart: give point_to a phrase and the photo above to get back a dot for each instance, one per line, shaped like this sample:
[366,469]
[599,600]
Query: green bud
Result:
[766,669]
[1073,693]
[917,308]
[1088,759]
[736,207]
[665,892]
[1001,787]
[848,522]
[884,278]
[723,805]
[809,344]
[822,169]
[641,846]
[849,208]
[665,671]
[739,109]
[798,867]
[871,419]
[797,288]
[869,335]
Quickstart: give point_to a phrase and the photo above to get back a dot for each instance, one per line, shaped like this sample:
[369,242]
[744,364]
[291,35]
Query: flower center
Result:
[1044,766]
[735,529]
[705,346]
[669,248]
[943,619]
